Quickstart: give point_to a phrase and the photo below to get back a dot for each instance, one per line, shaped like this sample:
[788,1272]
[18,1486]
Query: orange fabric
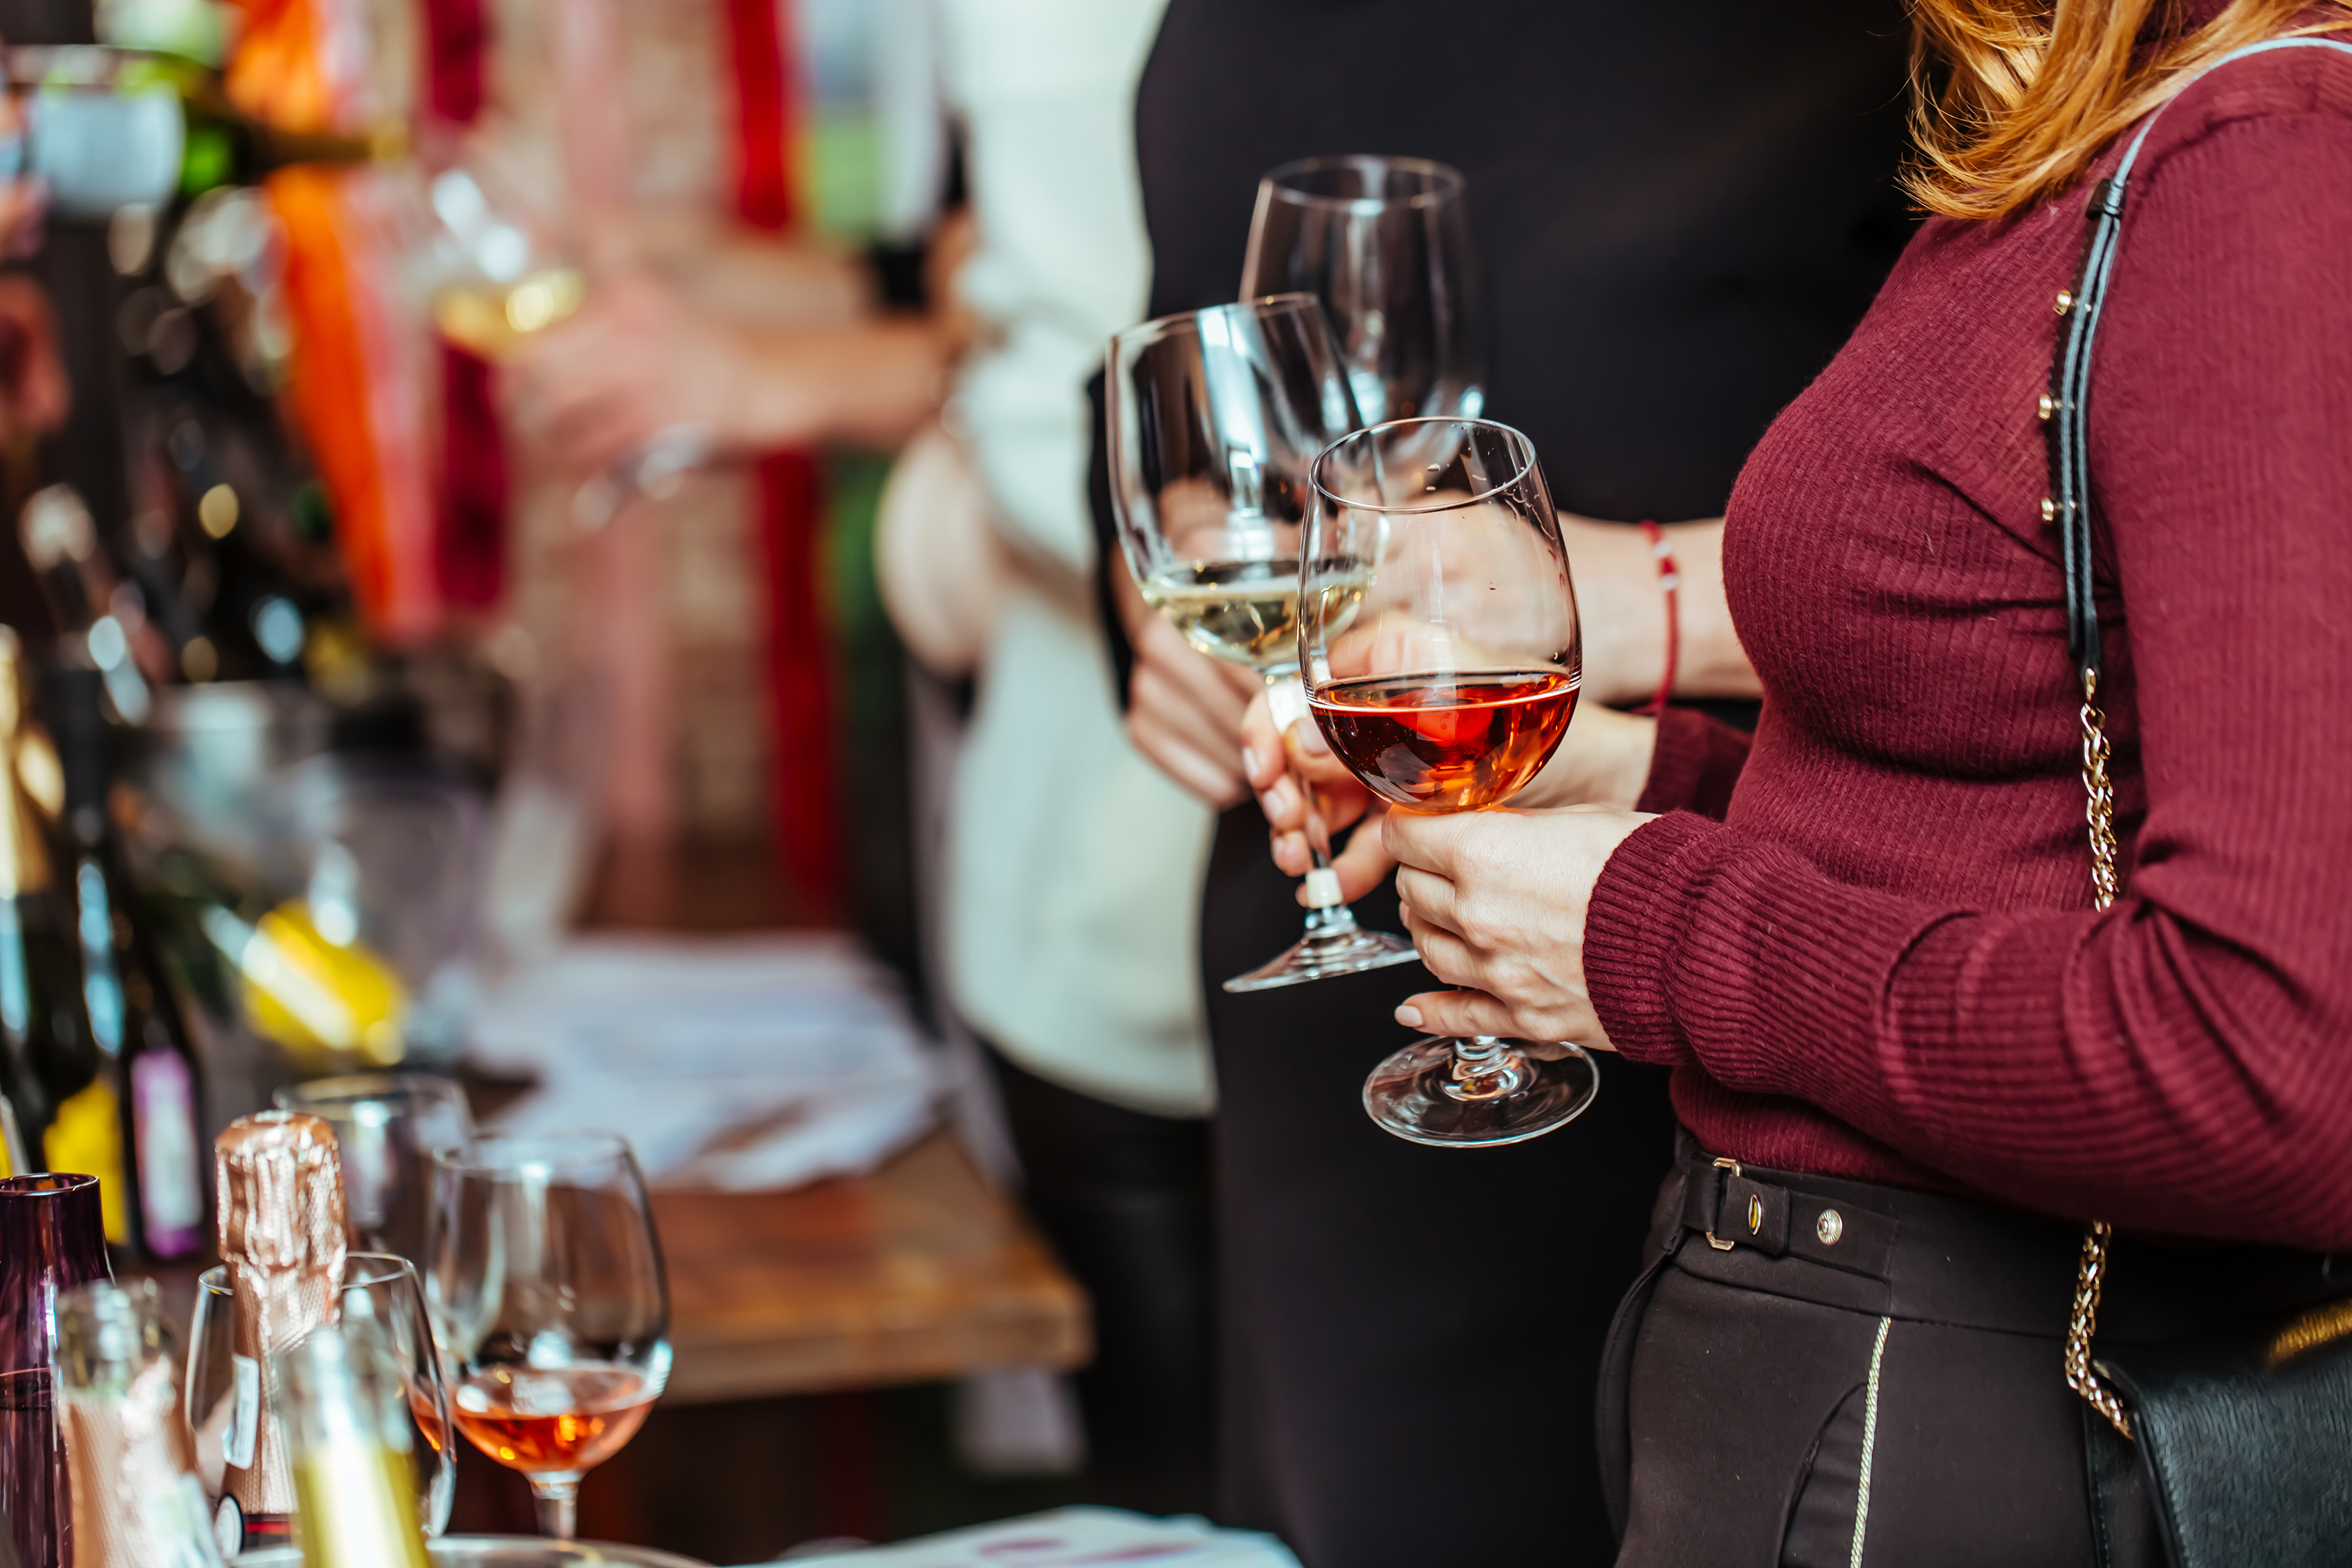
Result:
[276,73]
[330,374]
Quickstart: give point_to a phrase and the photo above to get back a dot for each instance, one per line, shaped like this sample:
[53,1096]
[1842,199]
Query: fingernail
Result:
[1249,761]
[1310,737]
[1409,1016]
[1271,804]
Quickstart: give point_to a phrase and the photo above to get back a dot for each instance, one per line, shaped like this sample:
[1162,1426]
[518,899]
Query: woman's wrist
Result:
[1604,760]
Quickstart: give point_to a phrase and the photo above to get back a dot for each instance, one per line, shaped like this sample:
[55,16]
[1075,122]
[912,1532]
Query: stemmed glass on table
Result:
[377,1286]
[1439,644]
[553,1305]
[1215,417]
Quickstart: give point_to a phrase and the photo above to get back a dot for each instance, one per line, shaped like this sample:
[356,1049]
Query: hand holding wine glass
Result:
[1441,655]
[1215,417]
[553,1304]
[1497,904]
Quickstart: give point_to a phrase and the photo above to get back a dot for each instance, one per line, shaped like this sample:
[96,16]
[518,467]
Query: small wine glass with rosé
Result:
[1439,645]
[552,1304]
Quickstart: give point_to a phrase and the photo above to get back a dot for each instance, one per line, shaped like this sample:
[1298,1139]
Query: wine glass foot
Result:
[1334,949]
[1478,1092]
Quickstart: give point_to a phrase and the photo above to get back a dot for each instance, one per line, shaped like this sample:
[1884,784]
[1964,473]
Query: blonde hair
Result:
[2013,97]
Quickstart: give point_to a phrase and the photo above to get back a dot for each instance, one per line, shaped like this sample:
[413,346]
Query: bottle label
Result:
[87,1138]
[245,1425]
[171,1187]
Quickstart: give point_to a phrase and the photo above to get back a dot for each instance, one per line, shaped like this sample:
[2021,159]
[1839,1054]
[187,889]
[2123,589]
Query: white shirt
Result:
[1074,865]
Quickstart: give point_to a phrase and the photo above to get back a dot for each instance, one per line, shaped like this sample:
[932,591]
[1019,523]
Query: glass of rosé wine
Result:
[554,1310]
[1439,645]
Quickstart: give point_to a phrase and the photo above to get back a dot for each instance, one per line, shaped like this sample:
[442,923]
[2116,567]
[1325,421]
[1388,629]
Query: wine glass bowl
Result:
[1441,655]
[387,1125]
[553,1305]
[1215,420]
[377,1287]
[1384,243]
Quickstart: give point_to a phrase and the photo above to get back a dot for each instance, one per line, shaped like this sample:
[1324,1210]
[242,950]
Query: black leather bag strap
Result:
[2245,1442]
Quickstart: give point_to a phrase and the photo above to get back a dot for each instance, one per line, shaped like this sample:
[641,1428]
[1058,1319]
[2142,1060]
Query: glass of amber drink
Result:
[548,1282]
[1439,645]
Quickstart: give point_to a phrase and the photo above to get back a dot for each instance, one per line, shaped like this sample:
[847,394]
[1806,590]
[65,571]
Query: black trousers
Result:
[1412,1334]
[1124,1197]
[1884,1386]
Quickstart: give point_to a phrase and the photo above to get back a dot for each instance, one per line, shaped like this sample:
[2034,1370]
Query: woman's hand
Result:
[1183,708]
[1496,902]
[1307,793]
[1604,759]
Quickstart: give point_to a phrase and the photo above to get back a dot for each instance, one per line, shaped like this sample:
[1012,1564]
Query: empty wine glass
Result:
[1441,656]
[553,1304]
[377,1286]
[1215,417]
[1385,243]
[387,1125]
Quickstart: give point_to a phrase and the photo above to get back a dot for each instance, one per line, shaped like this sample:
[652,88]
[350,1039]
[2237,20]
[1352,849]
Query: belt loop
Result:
[1722,1162]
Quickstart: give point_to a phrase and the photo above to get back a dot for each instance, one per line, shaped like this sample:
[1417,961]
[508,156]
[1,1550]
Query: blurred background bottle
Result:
[135,1124]
[33,950]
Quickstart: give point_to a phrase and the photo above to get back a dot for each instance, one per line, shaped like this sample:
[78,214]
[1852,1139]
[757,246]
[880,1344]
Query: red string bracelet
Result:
[1670,578]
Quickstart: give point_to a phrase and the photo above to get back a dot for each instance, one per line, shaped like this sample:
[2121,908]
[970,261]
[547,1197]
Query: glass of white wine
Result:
[1217,417]
[499,271]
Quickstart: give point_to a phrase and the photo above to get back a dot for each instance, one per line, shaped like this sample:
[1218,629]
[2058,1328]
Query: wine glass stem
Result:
[1485,1067]
[558,1506]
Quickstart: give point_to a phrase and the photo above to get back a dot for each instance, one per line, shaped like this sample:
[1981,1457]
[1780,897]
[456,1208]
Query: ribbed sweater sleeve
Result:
[1696,762]
[2181,1062]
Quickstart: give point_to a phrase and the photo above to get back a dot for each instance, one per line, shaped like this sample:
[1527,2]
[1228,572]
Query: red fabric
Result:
[807,810]
[457,42]
[800,681]
[1882,962]
[763,179]
[469,543]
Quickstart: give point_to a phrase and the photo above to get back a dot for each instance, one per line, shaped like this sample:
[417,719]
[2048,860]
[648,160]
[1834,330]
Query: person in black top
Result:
[1682,212]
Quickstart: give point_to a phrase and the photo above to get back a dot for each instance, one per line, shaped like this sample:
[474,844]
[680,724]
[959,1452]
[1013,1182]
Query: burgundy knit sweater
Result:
[1865,945]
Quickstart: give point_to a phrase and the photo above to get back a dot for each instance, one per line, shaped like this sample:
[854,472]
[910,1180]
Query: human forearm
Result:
[869,384]
[1621,603]
[2129,1064]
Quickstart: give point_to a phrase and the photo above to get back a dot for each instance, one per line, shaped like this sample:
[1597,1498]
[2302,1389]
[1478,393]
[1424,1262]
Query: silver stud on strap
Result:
[1829,1226]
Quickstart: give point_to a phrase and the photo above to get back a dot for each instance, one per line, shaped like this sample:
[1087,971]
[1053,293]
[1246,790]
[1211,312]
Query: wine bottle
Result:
[135,1124]
[40,1037]
[131,1458]
[50,1243]
[347,1426]
[281,1238]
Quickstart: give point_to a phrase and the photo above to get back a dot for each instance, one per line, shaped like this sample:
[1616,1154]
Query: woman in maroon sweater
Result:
[1865,943]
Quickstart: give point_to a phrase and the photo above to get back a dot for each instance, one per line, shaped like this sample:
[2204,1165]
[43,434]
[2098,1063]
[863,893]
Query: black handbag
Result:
[2238,1443]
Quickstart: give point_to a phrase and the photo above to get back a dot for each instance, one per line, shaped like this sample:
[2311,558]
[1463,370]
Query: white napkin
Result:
[1069,1537]
[731,1063]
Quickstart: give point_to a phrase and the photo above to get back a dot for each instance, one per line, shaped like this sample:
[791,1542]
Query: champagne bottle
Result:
[348,1431]
[281,1238]
[137,1502]
[135,1124]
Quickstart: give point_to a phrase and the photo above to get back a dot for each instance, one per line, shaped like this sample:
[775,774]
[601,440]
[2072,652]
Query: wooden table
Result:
[918,1270]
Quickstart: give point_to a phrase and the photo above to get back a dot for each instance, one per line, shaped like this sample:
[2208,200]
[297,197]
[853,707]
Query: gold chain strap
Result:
[2101,812]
